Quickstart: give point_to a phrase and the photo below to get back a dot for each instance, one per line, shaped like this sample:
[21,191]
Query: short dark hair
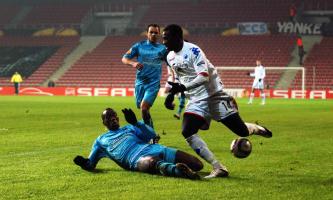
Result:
[153,25]
[175,30]
[106,116]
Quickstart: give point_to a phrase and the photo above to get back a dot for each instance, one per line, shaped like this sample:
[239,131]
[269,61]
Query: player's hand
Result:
[130,116]
[176,87]
[137,65]
[156,139]
[168,103]
[82,162]
[259,79]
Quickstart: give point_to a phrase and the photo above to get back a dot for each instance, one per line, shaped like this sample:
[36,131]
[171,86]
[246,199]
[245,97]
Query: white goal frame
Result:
[270,68]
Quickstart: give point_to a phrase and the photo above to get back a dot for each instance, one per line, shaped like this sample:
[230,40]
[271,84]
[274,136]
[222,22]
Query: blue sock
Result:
[181,104]
[168,169]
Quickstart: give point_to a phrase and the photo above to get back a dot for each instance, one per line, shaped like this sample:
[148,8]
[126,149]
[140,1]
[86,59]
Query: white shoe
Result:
[249,102]
[262,103]
[218,172]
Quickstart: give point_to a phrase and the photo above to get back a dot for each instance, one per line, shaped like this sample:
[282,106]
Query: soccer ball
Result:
[241,147]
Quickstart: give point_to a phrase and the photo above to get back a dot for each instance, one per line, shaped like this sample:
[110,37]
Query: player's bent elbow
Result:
[124,60]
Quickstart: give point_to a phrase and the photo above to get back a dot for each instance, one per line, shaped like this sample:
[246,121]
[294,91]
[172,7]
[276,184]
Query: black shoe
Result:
[187,172]
[176,116]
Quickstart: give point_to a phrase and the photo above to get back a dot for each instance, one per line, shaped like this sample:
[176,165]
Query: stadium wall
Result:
[107,91]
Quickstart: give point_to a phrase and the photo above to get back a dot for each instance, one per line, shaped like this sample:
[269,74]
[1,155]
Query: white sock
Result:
[201,148]
[251,97]
[253,128]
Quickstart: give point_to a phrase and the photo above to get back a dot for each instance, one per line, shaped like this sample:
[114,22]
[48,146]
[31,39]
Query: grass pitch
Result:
[39,137]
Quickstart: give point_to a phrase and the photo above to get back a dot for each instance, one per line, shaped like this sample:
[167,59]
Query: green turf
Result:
[39,137]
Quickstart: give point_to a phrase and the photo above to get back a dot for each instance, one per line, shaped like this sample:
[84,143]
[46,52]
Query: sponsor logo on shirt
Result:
[195,51]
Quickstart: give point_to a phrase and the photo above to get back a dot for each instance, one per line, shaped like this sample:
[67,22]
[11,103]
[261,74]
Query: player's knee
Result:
[191,161]
[188,130]
[145,106]
[147,164]
[197,165]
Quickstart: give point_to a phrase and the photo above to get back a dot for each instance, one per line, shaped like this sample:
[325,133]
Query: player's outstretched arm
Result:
[130,116]
[176,87]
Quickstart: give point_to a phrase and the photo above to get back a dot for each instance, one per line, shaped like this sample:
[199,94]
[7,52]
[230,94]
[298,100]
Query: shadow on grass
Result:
[101,171]
[232,177]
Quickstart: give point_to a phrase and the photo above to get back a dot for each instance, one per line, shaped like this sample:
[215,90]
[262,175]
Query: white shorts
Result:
[216,107]
[258,85]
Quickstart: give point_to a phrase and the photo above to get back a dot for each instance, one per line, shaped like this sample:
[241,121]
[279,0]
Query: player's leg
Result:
[181,105]
[145,106]
[191,161]
[244,129]
[263,95]
[173,155]
[155,165]
[224,110]
[251,95]
[16,86]
[191,125]
[149,97]
[236,125]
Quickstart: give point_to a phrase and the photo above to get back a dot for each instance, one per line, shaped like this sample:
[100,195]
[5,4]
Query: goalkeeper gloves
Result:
[82,162]
[176,87]
[130,116]
[168,103]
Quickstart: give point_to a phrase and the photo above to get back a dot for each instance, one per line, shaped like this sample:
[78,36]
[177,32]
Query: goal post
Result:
[220,70]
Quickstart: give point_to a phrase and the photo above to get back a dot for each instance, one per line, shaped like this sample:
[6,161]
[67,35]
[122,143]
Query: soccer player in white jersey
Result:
[203,88]
[258,82]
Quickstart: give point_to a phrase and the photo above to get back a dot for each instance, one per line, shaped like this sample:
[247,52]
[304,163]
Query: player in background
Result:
[203,88]
[258,82]
[128,147]
[17,80]
[181,96]
[149,56]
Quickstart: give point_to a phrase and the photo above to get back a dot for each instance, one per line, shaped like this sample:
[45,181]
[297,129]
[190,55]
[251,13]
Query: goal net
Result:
[276,77]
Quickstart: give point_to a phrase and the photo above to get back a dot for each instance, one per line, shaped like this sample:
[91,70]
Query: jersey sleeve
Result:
[144,132]
[171,78]
[96,154]
[132,52]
